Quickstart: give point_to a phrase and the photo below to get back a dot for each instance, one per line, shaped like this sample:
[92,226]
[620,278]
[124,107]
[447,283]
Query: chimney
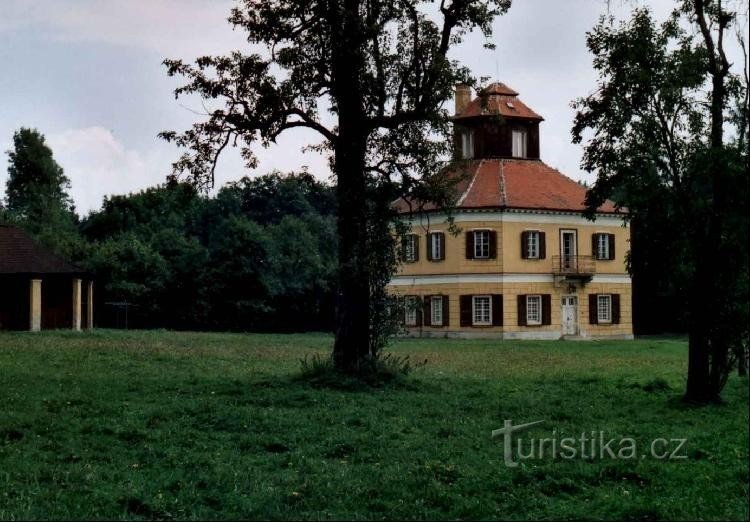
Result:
[463,97]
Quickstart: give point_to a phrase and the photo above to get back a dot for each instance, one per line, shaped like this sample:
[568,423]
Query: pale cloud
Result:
[99,165]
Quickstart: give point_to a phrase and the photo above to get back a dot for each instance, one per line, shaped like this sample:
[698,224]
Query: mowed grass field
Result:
[162,425]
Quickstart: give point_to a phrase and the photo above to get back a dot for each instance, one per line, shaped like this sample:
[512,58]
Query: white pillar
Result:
[90,306]
[35,305]
[77,305]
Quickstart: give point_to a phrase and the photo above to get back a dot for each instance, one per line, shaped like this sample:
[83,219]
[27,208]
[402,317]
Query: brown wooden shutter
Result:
[546,309]
[497,310]
[470,245]
[611,240]
[522,310]
[446,311]
[615,308]
[416,247]
[427,310]
[428,243]
[441,236]
[593,310]
[595,245]
[403,249]
[465,310]
[418,304]
[542,245]
[493,244]
[524,245]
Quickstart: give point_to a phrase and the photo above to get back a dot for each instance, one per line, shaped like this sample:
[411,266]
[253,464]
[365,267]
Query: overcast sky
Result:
[88,74]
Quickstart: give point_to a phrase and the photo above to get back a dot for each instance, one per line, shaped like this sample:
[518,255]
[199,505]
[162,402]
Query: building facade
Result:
[521,261]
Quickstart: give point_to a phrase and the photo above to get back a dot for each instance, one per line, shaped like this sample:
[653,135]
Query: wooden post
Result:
[90,306]
[76,322]
[35,305]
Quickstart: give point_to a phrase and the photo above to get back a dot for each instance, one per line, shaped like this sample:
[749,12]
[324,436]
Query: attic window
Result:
[510,104]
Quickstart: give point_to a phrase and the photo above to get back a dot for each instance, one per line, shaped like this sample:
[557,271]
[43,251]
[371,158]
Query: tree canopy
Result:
[381,70]
[654,132]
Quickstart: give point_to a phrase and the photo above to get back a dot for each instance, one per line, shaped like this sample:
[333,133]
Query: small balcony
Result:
[574,267]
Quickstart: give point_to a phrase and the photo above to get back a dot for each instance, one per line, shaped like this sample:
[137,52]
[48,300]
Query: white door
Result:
[569,314]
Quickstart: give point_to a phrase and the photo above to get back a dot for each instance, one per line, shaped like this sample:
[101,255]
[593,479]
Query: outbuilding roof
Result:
[21,254]
[522,184]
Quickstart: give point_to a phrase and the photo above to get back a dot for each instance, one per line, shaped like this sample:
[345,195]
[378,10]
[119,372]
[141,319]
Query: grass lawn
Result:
[181,425]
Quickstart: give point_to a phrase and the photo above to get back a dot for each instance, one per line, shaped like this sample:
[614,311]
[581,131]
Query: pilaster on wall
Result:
[76,323]
[35,305]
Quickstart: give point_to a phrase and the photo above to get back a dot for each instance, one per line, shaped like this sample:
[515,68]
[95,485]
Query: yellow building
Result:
[525,264]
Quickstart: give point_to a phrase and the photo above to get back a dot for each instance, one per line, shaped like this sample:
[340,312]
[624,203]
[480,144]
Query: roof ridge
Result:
[503,193]
[471,184]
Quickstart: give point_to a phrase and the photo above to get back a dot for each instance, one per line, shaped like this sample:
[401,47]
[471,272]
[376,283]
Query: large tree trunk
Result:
[353,297]
[352,343]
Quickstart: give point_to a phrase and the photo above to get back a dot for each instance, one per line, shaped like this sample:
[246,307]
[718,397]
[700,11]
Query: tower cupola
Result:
[495,124]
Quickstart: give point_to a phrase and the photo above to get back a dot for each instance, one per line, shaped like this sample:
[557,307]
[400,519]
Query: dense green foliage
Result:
[155,425]
[257,256]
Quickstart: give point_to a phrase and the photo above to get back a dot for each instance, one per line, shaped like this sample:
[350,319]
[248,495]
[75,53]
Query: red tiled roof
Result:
[21,254]
[515,184]
[498,99]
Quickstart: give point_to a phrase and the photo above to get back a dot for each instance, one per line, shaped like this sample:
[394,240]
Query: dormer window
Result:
[467,144]
[519,143]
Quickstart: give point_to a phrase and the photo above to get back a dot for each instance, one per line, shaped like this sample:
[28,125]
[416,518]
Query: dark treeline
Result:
[260,255]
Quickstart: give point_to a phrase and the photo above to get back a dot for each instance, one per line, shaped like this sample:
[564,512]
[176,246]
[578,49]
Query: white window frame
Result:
[604,308]
[436,254]
[484,310]
[602,246]
[519,145]
[467,144]
[410,310]
[479,247]
[410,249]
[532,244]
[436,319]
[534,313]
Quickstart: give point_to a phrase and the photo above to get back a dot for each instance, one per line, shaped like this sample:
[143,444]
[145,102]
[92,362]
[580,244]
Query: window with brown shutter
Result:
[466,310]
[542,245]
[611,239]
[522,310]
[416,247]
[470,245]
[525,244]
[546,309]
[497,310]
[446,311]
[593,309]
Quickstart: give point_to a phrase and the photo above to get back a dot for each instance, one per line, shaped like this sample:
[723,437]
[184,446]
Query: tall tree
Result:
[658,117]
[381,67]
[36,191]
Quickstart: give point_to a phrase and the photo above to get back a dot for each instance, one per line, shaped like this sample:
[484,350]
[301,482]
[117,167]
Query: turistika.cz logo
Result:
[589,445]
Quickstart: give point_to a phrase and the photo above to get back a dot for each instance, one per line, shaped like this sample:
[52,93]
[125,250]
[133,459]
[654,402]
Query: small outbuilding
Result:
[38,288]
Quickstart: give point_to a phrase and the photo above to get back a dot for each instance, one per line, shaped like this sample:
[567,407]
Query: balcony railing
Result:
[582,266]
